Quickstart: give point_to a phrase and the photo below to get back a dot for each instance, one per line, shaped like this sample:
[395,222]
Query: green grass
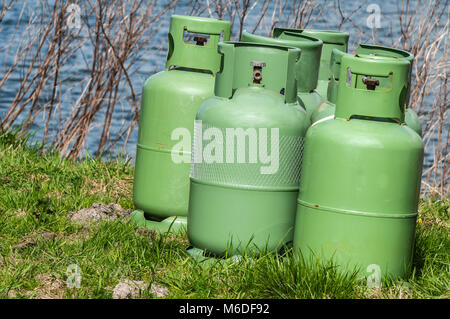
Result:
[37,191]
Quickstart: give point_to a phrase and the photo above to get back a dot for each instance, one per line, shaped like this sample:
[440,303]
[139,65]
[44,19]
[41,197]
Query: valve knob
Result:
[370,83]
[200,40]
[257,71]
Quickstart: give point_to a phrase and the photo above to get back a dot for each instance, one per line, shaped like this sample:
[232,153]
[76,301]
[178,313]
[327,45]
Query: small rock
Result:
[99,212]
[128,289]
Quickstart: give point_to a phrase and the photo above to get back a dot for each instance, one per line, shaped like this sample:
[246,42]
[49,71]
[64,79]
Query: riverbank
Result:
[46,251]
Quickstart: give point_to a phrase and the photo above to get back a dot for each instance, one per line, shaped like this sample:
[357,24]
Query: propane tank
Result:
[328,108]
[331,40]
[307,67]
[243,197]
[170,101]
[360,208]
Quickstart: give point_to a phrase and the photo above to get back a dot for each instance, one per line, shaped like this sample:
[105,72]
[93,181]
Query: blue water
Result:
[152,60]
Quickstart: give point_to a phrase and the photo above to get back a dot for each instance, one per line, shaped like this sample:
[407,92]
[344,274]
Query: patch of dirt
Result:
[432,221]
[40,178]
[32,239]
[129,289]
[56,194]
[94,186]
[14,260]
[159,291]
[50,288]
[180,239]
[373,293]
[114,187]
[99,212]
[81,235]
[20,213]
[394,292]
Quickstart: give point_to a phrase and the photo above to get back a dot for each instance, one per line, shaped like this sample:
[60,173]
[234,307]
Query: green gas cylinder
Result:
[331,40]
[307,68]
[170,101]
[244,180]
[328,108]
[360,208]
